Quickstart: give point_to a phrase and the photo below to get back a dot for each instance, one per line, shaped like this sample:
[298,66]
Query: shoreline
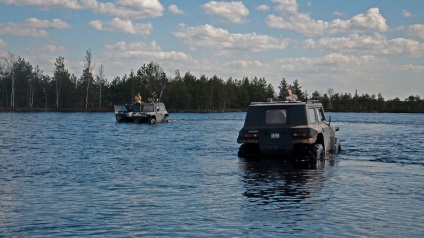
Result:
[94,110]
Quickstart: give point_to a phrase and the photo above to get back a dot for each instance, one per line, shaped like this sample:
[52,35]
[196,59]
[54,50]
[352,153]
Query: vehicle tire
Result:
[248,151]
[152,120]
[338,147]
[318,152]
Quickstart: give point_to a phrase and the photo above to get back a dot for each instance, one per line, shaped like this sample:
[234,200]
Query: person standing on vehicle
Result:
[290,96]
[154,97]
[137,98]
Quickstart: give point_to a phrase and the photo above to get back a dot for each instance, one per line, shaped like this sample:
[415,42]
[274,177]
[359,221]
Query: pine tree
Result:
[296,88]
[283,88]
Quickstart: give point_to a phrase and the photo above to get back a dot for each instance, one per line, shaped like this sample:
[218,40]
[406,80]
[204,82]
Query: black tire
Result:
[248,151]
[338,147]
[152,120]
[318,152]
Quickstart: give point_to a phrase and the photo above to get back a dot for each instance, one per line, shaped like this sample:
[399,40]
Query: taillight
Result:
[299,134]
[251,135]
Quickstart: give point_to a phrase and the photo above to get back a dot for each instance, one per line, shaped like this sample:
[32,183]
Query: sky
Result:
[368,46]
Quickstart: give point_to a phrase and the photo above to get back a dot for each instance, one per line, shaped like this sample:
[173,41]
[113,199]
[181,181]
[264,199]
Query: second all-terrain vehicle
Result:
[288,129]
[150,113]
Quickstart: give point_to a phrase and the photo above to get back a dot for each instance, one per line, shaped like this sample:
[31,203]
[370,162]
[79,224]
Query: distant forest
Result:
[24,87]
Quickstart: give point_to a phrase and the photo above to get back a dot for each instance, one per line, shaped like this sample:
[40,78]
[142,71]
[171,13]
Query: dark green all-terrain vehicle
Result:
[150,113]
[288,129]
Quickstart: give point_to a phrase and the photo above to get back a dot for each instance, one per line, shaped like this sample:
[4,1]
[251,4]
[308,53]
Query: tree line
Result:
[25,87]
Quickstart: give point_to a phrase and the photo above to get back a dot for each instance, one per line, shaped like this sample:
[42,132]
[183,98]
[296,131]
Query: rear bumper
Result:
[269,148]
[247,141]
[276,149]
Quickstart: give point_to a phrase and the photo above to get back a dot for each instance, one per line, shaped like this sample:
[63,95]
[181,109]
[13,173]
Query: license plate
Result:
[275,135]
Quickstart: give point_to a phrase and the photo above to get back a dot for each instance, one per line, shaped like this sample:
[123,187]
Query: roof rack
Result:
[312,101]
[274,102]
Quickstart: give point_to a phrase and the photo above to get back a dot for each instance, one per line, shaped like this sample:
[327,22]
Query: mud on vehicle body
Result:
[297,130]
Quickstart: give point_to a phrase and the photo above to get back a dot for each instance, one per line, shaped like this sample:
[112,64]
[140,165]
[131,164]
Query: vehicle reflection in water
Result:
[276,182]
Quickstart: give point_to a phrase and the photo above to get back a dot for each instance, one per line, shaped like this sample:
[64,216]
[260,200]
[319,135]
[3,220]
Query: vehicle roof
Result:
[285,103]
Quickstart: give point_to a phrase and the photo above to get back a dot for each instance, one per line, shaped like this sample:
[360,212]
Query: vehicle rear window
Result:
[276,116]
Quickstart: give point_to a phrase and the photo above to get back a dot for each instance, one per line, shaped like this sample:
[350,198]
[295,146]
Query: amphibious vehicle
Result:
[289,129]
[150,113]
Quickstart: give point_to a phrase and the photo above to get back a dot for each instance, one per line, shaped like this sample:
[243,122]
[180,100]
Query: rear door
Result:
[275,135]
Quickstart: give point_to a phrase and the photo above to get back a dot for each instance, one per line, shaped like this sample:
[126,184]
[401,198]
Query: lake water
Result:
[82,174]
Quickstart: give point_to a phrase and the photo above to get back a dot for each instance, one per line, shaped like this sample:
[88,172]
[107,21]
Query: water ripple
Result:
[83,174]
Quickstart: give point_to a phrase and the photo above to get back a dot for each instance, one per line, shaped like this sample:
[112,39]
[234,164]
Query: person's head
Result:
[138,93]
[289,92]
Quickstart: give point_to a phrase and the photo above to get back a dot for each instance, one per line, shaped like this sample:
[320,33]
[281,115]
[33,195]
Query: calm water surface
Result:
[82,174]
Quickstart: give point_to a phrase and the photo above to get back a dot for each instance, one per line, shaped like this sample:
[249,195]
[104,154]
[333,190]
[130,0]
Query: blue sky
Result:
[373,46]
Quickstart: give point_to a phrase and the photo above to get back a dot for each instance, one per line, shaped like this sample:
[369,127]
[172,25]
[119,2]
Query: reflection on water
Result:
[273,181]
[285,199]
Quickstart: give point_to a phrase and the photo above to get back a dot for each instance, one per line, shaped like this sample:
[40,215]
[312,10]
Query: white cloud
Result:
[376,44]
[417,29]
[120,25]
[160,56]
[3,43]
[17,29]
[127,9]
[300,23]
[335,70]
[55,23]
[372,20]
[286,6]
[337,14]
[233,12]
[50,48]
[406,13]
[71,4]
[138,46]
[96,24]
[402,46]
[263,8]
[305,25]
[414,68]
[31,27]
[121,45]
[174,9]
[352,43]
[125,56]
[244,64]
[242,68]
[210,36]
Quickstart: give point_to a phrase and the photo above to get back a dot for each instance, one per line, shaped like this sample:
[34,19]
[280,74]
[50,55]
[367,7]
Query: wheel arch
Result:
[320,140]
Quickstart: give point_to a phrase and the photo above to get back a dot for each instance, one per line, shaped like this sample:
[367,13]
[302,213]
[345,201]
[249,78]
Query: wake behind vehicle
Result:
[289,129]
[150,113]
